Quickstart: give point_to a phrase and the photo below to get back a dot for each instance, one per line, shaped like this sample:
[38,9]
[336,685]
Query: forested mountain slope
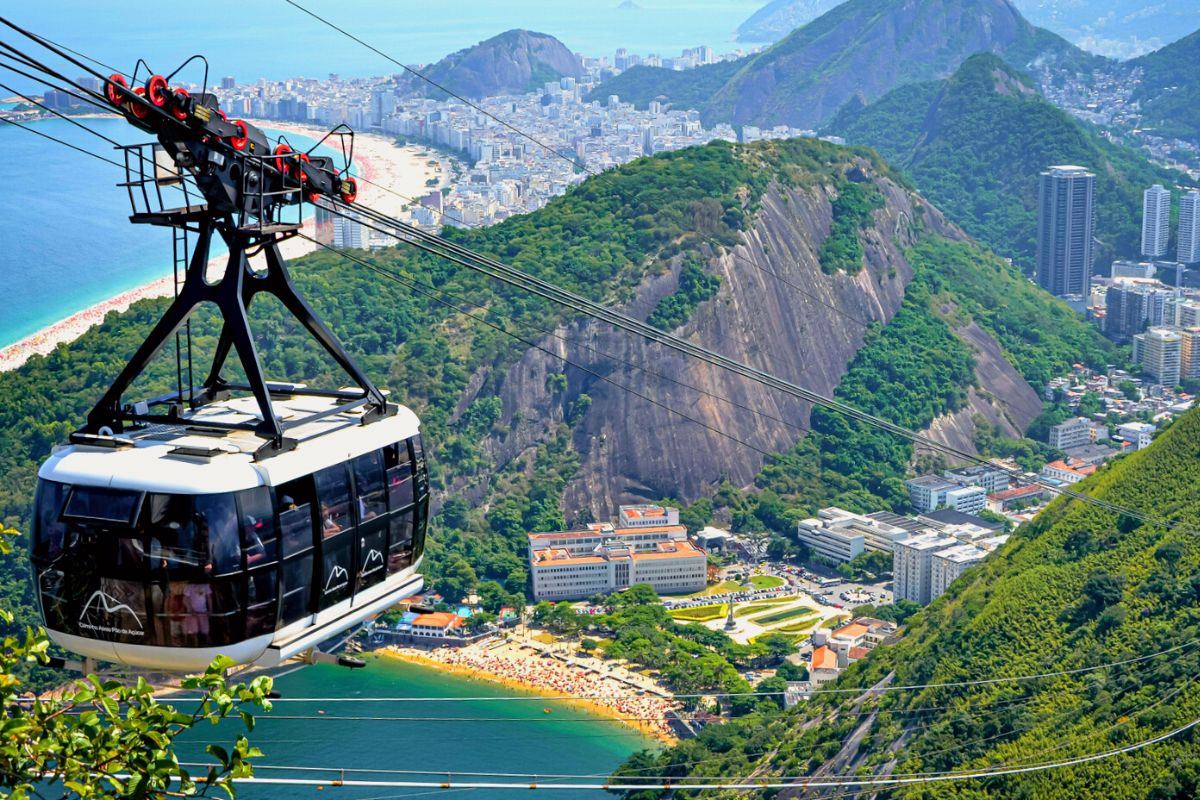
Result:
[790,255]
[975,143]
[860,48]
[1170,88]
[1078,589]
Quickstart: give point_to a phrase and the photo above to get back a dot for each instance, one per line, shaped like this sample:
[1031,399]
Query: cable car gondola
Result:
[252,520]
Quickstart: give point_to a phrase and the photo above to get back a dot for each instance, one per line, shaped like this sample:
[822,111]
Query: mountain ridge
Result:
[975,143]
[859,48]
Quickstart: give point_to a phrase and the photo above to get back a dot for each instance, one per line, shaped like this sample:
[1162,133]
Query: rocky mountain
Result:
[1169,91]
[861,48]
[975,143]
[778,18]
[513,62]
[1113,28]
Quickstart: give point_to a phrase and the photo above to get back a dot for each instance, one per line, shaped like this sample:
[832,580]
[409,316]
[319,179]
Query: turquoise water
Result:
[566,741]
[65,238]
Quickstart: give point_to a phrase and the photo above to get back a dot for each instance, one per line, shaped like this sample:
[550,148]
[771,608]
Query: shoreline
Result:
[378,159]
[659,733]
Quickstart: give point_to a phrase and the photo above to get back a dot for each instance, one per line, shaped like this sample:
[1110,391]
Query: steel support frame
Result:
[232,296]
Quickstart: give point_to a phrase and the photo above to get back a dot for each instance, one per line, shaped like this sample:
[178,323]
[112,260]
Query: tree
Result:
[492,596]
[779,647]
[457,580]
[1100,591]
[792,672]
[79,743]
[776,686]
[640,594]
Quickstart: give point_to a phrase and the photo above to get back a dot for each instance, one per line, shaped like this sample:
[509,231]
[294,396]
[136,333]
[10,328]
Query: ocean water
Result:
[66,242]
[275,40]
[565,741]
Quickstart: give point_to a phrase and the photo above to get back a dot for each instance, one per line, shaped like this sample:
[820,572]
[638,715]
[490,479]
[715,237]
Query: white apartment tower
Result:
[1189,228]
[1156,221]
[1160,352]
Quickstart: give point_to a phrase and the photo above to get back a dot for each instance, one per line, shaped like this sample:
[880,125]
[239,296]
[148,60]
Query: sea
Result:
[66,242]
[546,738]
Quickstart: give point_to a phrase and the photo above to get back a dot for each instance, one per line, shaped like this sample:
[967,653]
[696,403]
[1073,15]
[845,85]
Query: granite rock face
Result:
[776,310]
[513,62]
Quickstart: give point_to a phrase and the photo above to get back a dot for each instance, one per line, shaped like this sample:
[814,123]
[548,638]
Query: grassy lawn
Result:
[796,627]
[792,638]
[835,620]
[699,613]
[763,605]
[781,616]
[766,581]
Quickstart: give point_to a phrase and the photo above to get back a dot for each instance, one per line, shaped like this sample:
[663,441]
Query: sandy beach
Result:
[517,666]
[376,158]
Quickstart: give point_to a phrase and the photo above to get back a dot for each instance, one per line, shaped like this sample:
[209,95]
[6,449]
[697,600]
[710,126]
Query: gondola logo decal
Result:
[373,562]
[104,613]
[338,579]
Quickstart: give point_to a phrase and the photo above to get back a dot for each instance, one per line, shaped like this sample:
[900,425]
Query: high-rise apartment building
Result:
[1064,247]
[1189,353]
[1156,221]
[1160,352]
[1189,228]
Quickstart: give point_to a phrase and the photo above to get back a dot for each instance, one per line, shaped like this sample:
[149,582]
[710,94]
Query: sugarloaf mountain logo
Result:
[372,563]
[103,613]
[338,579]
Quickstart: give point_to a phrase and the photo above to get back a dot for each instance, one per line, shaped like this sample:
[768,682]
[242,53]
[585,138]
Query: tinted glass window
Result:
[259,537]
[337,570]
[260,602]
[217,515]
[399,482]
[333,494]
[372,558]
[396,454]
[295,525]
[116,611]
[422,528]
[101,505]
[48,528]
[401,541]
[368,483]
[175,544]
[297,589]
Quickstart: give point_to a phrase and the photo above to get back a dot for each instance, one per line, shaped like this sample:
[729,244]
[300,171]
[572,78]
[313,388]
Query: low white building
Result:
[1138,434]
[840,535]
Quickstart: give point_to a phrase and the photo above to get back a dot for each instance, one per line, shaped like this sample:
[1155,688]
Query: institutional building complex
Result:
[603,558]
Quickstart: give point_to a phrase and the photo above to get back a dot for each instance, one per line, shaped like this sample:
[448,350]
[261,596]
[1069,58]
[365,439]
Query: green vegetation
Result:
[1169,93]
[104,739]
[689,658]
[975,143]
[867,565]
[762,605]
[695,286]
[684,89]
[782,616]
[699,613]
[1078,589]
[842,250]
[766,581]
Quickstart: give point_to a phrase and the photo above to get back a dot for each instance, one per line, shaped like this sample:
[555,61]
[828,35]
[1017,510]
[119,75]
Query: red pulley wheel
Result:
[112,89]
[298,168]
[139,110]
[349,190]
[157,90]
[179,106]
[239,142]
[281,149]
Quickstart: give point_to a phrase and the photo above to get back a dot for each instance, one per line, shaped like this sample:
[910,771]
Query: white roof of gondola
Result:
[153,463]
